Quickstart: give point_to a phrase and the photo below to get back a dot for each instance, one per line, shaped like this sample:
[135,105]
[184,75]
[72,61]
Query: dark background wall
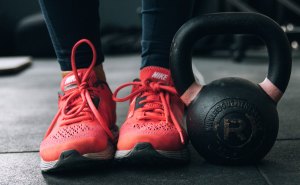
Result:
[120,12]
[11,12]
[113,12]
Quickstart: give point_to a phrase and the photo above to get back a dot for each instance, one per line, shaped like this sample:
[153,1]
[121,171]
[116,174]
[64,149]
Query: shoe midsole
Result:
[107,154]
[178,154]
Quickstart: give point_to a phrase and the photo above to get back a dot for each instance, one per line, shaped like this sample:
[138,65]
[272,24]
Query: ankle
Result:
[98,70]
[64,73]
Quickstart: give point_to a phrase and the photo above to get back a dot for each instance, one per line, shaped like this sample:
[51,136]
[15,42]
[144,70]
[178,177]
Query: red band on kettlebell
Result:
[271,90]
[190,94]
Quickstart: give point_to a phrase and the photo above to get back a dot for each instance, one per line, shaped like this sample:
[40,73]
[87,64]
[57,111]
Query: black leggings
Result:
[71,20]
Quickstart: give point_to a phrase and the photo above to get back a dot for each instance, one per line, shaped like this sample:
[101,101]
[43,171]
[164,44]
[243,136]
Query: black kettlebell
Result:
[231,120]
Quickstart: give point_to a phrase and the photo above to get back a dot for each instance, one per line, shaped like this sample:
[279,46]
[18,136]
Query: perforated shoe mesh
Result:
[154,126]
[70,131]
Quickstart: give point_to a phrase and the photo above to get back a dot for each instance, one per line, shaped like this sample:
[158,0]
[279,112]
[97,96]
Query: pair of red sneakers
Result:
[84,132]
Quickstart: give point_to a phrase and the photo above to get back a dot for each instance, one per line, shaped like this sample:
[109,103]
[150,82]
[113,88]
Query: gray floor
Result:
[28,103]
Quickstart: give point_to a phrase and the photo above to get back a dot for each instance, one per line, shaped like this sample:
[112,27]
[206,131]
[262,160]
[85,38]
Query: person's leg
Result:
[153,128]
[69,21]
[83,132]
[160,21]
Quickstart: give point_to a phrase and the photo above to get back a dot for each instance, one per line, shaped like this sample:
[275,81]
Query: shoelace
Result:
[78,104]
[163,111]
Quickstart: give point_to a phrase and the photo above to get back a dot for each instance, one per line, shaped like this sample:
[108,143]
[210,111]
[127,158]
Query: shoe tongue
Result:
[156,74]
[69,81]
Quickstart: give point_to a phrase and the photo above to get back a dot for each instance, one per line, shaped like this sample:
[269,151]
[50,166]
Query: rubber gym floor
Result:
[29,101]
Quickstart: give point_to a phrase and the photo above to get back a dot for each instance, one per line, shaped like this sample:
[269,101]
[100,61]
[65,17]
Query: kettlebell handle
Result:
[280,60]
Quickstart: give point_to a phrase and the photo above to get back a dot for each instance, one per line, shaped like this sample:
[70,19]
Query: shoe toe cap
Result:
[159,137]
[91,141]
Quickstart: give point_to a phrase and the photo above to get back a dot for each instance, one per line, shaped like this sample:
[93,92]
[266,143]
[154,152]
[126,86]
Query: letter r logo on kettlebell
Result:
[234,126]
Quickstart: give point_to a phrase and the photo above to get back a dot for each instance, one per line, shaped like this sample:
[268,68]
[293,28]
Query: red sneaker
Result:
[83,131]
[153,129]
